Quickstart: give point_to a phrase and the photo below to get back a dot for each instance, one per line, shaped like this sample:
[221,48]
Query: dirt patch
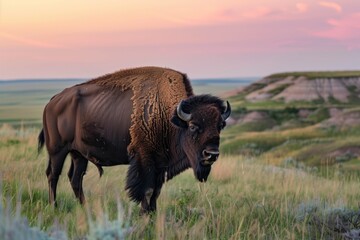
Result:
[342,120]
[335,112]
[268,91]
[323,89]
[231,121]
[345,153]
[256,116]
[304,113]
[302,89]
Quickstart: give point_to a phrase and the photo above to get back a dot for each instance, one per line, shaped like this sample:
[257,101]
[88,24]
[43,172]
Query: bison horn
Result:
[227,110]
[181,114]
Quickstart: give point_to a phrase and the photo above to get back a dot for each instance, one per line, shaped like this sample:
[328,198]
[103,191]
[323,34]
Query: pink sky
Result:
[222,38]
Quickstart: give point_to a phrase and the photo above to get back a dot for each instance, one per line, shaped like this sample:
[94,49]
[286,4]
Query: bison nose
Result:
[210,156]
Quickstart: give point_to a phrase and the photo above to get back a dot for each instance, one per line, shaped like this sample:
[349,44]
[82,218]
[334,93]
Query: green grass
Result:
[278,89]
[243,198]
[239,103]
[319,74]
[310,145]
[319,115]
[267,139]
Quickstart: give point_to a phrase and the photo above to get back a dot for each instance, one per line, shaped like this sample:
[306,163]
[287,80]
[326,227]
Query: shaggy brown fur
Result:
[156,91]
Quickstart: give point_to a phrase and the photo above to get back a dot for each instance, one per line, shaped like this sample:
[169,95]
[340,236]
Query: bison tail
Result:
[41,140]
[101,171]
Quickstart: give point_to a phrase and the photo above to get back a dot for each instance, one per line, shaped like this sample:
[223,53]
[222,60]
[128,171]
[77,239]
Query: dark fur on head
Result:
[193,102]
[199,120]
[199,100]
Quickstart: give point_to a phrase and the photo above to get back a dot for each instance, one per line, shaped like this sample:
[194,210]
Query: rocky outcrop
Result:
[338,90]
[269,89]
[303,89]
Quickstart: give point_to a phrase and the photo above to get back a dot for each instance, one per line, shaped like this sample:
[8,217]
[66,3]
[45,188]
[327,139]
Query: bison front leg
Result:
[145,203]
[148,204]
[141,186]
[156,192]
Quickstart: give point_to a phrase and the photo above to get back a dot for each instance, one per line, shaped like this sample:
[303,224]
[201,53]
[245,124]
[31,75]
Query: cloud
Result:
[226,16]
[345,30]
[302,7]
[27,41]
[331,5]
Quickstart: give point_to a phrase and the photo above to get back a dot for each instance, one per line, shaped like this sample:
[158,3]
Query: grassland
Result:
[311,145]
[22,102]
[243,199]
[278,183]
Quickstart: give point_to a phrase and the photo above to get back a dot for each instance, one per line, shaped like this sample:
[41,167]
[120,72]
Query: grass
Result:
[319,74]
[268,139]
[278,89]
[319,115]
[243,199]
[238,103]
[310,145]
[252,192]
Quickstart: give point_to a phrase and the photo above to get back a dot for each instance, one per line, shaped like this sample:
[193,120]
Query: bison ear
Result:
[178,122]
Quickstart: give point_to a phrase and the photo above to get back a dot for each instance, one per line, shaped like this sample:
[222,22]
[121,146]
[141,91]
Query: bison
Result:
[146,117]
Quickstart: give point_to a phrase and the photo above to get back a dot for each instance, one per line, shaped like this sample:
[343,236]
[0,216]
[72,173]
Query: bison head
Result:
[200,120]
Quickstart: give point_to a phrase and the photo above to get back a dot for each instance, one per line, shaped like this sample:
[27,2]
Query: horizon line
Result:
[83,78]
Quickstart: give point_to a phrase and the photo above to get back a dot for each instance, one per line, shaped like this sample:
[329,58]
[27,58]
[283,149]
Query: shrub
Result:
[103,228]
[319,115]
[17,227]
[13,227]
[331,222]
[293,163]
[347,156]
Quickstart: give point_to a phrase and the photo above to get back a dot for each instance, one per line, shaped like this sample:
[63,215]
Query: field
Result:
[22,102]
[252,193]
[243,199]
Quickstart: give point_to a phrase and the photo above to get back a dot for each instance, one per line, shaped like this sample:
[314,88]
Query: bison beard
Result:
[146,117]
[202,172]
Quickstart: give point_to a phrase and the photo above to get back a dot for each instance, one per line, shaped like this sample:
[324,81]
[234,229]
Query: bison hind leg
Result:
[76,174]
[53,171]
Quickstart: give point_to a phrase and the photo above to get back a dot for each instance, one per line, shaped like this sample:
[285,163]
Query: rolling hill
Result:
[308,117]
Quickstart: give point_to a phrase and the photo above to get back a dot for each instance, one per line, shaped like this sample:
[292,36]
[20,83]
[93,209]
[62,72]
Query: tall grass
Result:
[243,199]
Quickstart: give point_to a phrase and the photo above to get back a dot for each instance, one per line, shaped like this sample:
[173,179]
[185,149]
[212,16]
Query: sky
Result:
[203,38]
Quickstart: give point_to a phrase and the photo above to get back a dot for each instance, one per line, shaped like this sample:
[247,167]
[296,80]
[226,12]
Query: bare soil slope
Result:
[304,89]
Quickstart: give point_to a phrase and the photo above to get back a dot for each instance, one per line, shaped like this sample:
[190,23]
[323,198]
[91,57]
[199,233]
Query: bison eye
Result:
[193,127]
